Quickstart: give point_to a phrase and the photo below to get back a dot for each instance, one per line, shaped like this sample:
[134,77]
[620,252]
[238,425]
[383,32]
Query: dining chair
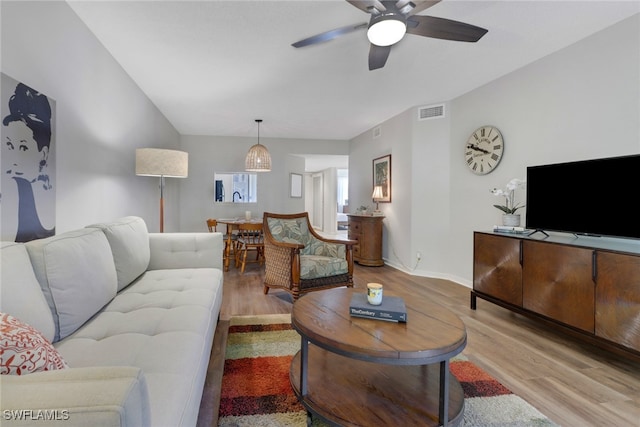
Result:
[250,239]
[230,241]
[212,224]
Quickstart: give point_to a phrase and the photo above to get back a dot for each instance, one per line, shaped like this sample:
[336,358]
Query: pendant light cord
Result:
[258,121]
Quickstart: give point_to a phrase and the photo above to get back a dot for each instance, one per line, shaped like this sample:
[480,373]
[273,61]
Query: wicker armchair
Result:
[299,260]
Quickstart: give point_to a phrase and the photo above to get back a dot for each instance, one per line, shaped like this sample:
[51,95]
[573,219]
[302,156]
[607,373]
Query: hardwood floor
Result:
[571,382]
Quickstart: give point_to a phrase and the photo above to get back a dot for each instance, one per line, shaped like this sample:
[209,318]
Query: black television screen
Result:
[591,197]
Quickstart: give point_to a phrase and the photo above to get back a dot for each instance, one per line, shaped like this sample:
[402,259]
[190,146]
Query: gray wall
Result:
[102,116]
[579,103]
[211,154]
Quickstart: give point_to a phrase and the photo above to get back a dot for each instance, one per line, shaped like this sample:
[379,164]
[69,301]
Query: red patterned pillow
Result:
[24,350]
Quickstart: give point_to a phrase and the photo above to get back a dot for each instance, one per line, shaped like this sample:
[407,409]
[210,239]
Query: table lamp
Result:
[377,196]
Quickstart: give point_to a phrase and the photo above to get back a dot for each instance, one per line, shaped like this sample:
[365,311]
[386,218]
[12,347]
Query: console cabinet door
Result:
[558,283]
[496,267]
[618,298]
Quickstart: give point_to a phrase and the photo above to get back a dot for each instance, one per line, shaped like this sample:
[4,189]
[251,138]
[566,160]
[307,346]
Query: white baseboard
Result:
[431,274]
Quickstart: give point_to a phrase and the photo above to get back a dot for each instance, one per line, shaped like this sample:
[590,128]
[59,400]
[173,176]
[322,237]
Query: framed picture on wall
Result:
[382,176]
[295,185]
[28,153]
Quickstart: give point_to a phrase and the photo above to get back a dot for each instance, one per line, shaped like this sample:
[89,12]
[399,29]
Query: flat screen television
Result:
[591,197]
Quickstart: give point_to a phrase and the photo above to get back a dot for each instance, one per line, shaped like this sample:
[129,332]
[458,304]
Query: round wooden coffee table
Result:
[354,371]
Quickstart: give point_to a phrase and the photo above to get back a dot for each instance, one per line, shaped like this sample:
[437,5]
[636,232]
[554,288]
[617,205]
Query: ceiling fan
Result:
[391,20]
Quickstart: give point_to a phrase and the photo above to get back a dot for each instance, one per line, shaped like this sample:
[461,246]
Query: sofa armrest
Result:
[185,250]
[97,396]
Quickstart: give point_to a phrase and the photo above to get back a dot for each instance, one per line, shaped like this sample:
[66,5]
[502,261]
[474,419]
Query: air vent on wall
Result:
[431,112]
[377,131]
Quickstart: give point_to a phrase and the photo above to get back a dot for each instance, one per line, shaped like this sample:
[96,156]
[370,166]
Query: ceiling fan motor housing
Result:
[386,29]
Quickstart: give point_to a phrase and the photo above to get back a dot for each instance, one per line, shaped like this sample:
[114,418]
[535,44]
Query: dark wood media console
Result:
[584,286]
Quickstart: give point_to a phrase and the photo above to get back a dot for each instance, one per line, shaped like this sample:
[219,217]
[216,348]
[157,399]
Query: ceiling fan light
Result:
[386,30]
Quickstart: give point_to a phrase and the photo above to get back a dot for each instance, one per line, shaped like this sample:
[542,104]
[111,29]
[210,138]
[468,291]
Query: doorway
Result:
[317,214]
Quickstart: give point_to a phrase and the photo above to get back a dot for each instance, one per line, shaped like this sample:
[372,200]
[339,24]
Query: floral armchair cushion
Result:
[314,267]
[320,248]
[317,258]
[290,230]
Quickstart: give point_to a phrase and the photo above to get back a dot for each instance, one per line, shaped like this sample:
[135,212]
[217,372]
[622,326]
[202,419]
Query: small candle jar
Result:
[374,293]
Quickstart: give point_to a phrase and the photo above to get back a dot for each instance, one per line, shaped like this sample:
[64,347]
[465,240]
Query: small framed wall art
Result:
[382,176]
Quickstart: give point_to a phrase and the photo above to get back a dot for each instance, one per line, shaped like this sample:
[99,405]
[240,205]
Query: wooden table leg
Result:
[227,248]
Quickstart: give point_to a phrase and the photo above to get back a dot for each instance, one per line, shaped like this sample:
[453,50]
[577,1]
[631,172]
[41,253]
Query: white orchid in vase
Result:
[510,207]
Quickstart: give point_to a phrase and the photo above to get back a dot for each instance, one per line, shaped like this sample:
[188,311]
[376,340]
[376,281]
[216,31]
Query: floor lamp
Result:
[163,163]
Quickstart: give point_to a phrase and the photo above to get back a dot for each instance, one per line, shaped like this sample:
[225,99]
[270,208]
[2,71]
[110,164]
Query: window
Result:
[236,187]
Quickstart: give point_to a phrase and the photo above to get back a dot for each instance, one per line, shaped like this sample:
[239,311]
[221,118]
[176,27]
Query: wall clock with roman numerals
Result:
[484,149]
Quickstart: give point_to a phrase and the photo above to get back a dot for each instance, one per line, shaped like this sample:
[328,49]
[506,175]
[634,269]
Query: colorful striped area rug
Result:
[256,390]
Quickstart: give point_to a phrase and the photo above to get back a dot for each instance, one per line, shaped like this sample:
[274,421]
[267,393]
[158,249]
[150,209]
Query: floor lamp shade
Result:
[163,163]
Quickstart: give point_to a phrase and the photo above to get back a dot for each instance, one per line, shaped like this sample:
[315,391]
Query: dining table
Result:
[233,224]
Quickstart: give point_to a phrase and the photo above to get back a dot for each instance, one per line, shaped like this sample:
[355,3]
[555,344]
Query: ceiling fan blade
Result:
[378,56]
[329,35]
[368,6]
[411,7]
[441,28]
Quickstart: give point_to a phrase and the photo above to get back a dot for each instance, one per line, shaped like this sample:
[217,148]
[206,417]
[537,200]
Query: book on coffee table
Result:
[391,309]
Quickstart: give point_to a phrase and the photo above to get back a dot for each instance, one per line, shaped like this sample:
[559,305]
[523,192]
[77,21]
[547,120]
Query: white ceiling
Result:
[212,67]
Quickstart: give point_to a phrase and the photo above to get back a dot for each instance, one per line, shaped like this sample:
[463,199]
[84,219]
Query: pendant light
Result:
[258,158]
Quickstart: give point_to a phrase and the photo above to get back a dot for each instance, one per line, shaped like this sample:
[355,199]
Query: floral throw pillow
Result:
[24,350]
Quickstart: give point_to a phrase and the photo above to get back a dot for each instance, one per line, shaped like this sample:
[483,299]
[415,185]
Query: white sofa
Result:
[133,315]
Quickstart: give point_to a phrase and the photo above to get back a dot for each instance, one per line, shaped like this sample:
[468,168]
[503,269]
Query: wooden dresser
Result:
[367,231]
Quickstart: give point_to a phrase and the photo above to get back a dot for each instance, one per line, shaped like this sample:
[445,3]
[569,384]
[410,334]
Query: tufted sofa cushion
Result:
[129,241]
[77,276]
[20,292]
